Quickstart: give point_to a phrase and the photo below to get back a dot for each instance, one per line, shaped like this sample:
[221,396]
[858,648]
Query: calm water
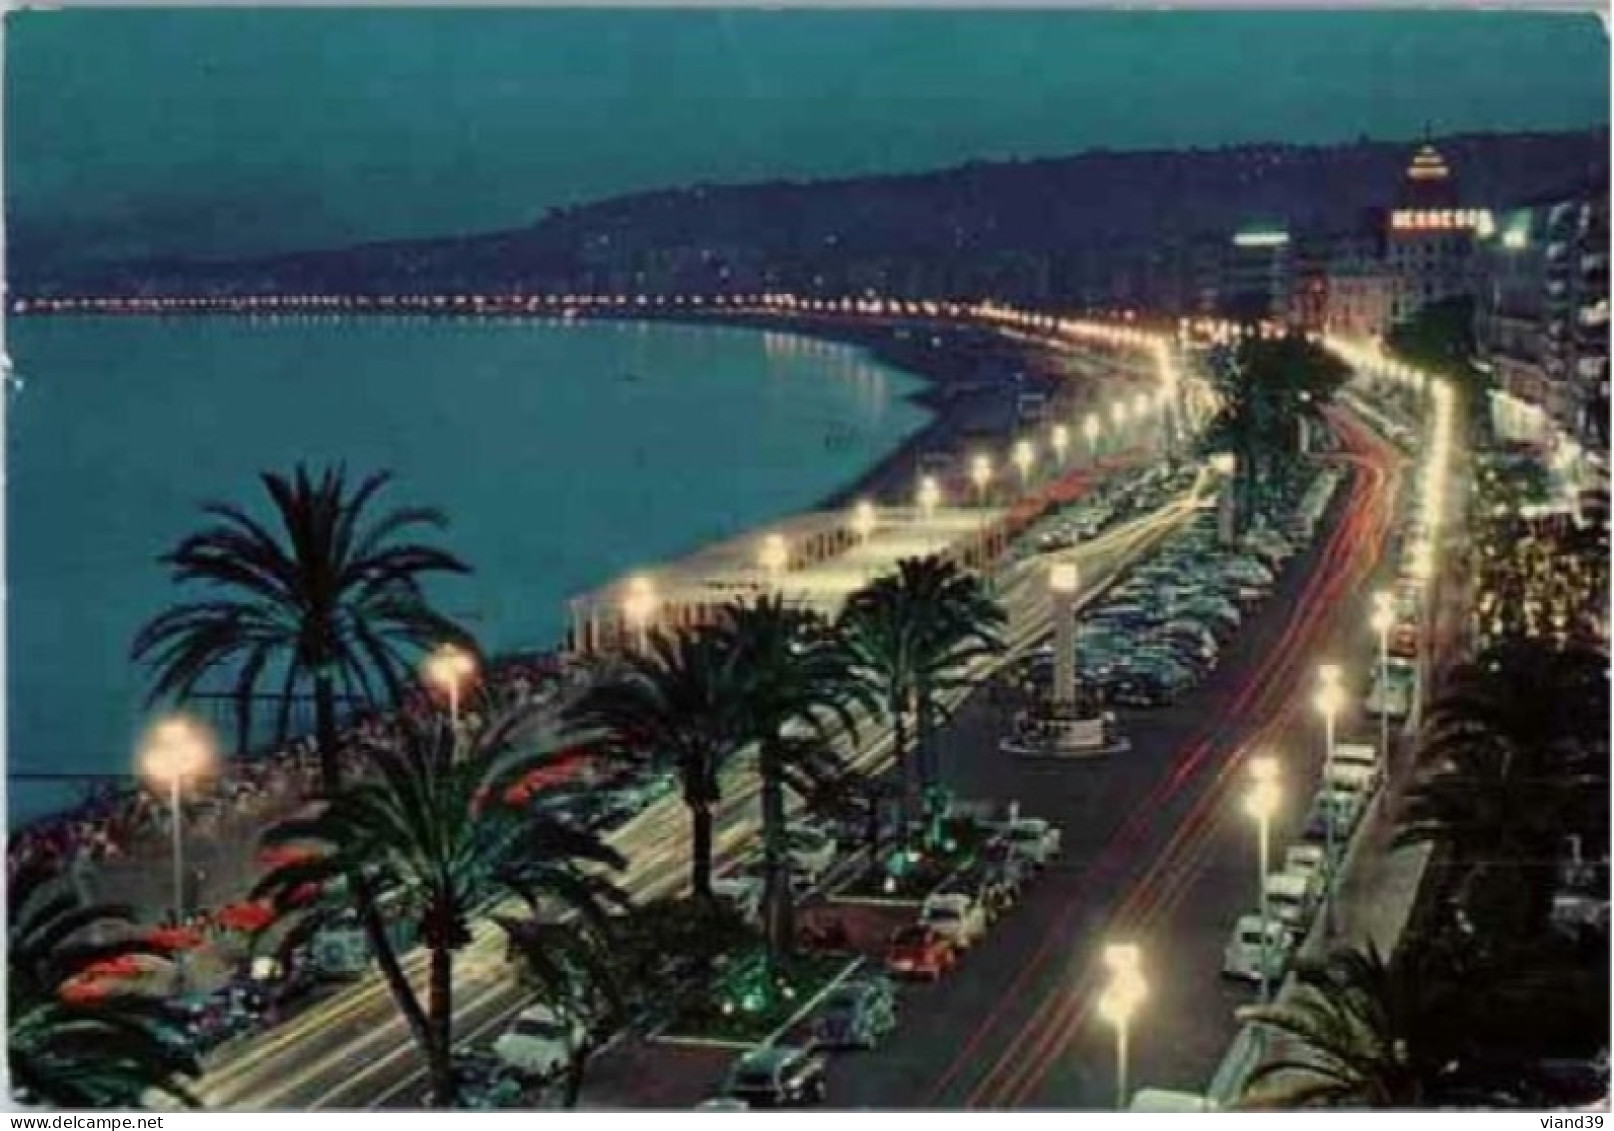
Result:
[563,455]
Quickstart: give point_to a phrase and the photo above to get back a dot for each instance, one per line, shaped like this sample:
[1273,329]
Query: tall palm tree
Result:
[326,597]
[678,701]
[428,831]
[108,1052]
[796,691]
[1517,756]
[570,967]
[1362,1032]
[912,634]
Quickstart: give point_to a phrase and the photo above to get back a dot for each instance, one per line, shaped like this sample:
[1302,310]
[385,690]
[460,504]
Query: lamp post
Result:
[1329,696]
[1090,429]
[446,668]
[638,607]
[1383,618]
[1060,440]
[1260,803]
[863,523]
[1024,456]
[981,476]
[774,557]
[929,497]
[1125,992]
[1118,417]
[175,750]
[1063,581]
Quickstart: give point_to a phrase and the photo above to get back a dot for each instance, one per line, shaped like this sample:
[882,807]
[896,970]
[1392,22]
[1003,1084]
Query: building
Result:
[1542,322]
[1256,274]
[1430,236]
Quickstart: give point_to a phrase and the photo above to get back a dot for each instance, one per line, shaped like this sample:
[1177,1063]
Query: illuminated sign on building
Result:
[1260,239]
[1477,220]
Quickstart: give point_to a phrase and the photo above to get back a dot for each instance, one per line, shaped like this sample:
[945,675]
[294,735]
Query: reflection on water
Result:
[564,454]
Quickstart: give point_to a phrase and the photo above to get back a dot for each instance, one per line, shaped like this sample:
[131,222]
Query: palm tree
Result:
[569,965]
[1518,759]
[428,830]
[678,701]
[332,600]
[796,690]
[913,634]
[1267,386]
[108,1052]
[1362,1033]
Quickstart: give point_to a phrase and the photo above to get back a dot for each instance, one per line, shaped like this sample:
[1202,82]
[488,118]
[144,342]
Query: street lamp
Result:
[981,476]
[175,750]
[929,497]
[1118,413]
[1383,618]
[1024,456]
[863,520]
[1090,429]
[1125,992]
[1330,697]
[446,669]
[1061,442]
[639,606]
[1140,405]
[1261,803]
[774,557]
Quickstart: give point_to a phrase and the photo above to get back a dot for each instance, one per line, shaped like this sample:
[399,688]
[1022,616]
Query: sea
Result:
[563,454]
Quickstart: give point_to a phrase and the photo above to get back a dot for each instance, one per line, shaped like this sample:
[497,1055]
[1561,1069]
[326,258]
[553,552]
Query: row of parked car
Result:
[1296,890]
[1107,504]
[1162,629]
[860,1012]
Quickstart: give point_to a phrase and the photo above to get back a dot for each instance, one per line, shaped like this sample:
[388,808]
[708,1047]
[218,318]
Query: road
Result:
[1156,852]
[354,1051]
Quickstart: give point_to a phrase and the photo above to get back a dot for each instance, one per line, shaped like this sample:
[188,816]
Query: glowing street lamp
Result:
[1383,618]
[981,476]
[446,669]
[1090,429]
[774,557]
[1024,456]
[1118,413]
[639,607]
[1261,802]
[863,520]
[1141,405]
[1125,992]
[1061,442]
[176,750]
[929,497]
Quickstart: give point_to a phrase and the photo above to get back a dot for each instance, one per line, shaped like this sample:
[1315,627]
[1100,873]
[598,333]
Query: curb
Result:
[1119,746]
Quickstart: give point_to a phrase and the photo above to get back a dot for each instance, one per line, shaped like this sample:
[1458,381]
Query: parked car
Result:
[956,916]
[920,952]
[1310,861]
[1289,899]
[1343,804]
[778,1076]
[540,1042]
[1242,956]
[856,1015]
[1032,838]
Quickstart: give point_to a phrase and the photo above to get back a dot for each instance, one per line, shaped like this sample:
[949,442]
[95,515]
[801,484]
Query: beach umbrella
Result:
[84,990]
[245,917]
[121,966]
[281,855]
[176,938]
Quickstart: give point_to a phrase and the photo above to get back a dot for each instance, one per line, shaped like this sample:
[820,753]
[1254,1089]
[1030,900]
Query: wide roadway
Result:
[1156,852]
[354,1051]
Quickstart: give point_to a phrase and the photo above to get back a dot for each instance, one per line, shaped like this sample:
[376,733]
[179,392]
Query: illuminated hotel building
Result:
[1430,237]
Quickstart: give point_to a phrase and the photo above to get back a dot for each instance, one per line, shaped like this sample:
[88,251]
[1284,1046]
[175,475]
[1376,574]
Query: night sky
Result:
[228,131]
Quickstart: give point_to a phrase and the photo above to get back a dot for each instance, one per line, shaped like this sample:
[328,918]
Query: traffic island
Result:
[747,1008]
[1063,730]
